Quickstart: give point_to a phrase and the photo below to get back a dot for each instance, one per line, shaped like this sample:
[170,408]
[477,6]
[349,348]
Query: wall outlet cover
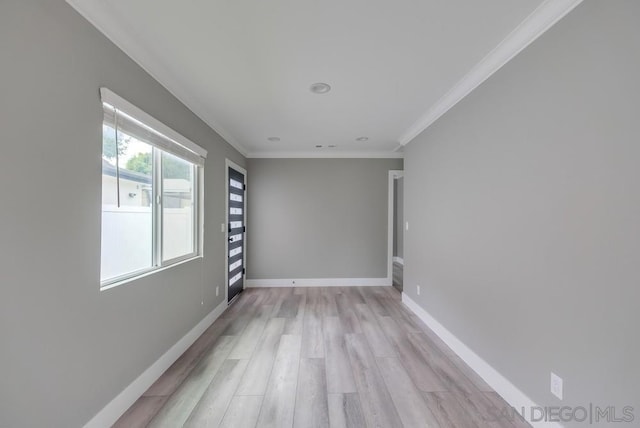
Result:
[556,385]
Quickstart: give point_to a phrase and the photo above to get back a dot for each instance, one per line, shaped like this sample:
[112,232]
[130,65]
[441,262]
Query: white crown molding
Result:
[511,393]
[123,401]
[536,24]
[324,155]
[319,282]
[101,17]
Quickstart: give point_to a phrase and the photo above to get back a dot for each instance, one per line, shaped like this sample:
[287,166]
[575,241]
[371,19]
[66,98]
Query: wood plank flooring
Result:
[329,357]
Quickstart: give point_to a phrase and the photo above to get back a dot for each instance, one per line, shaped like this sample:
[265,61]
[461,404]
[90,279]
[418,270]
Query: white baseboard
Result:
[398,260]
[121,403]
[318,282]
[494,379]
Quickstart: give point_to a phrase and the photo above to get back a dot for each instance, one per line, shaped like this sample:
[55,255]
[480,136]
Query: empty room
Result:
[320,214]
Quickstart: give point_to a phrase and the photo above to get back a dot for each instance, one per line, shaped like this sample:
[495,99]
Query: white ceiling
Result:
[245,66]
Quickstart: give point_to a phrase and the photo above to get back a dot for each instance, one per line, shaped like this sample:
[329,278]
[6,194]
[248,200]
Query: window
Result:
[150,193]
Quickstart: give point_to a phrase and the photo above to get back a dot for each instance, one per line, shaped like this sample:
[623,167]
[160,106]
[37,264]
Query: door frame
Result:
[393,175]
[231,164]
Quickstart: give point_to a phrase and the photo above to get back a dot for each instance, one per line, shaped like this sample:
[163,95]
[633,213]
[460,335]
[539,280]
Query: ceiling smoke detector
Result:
[362,139]
[273,139]
[320,88]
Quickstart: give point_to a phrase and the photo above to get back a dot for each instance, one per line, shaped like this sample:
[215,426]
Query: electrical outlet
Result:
[418,289]
[222,227]
[556,385]
[217,290]
[406,225]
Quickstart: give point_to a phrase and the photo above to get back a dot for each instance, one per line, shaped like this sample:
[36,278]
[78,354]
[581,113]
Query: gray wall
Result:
[398,217]
[318,218]
[67,348]
[524,212]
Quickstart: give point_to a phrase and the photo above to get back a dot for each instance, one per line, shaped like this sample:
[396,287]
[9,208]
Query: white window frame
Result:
[181,143]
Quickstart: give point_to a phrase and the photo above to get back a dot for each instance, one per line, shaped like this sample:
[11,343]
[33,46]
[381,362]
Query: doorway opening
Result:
[395,266]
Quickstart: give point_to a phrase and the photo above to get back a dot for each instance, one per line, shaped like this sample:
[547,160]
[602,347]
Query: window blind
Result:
[123,116]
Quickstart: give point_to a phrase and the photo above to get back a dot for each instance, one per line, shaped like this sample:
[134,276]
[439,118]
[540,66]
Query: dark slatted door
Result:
[236,229]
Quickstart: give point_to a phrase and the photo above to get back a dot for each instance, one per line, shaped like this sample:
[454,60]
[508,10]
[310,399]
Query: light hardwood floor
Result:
[319,357]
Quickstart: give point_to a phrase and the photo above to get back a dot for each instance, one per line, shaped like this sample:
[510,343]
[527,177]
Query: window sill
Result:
[150,272]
